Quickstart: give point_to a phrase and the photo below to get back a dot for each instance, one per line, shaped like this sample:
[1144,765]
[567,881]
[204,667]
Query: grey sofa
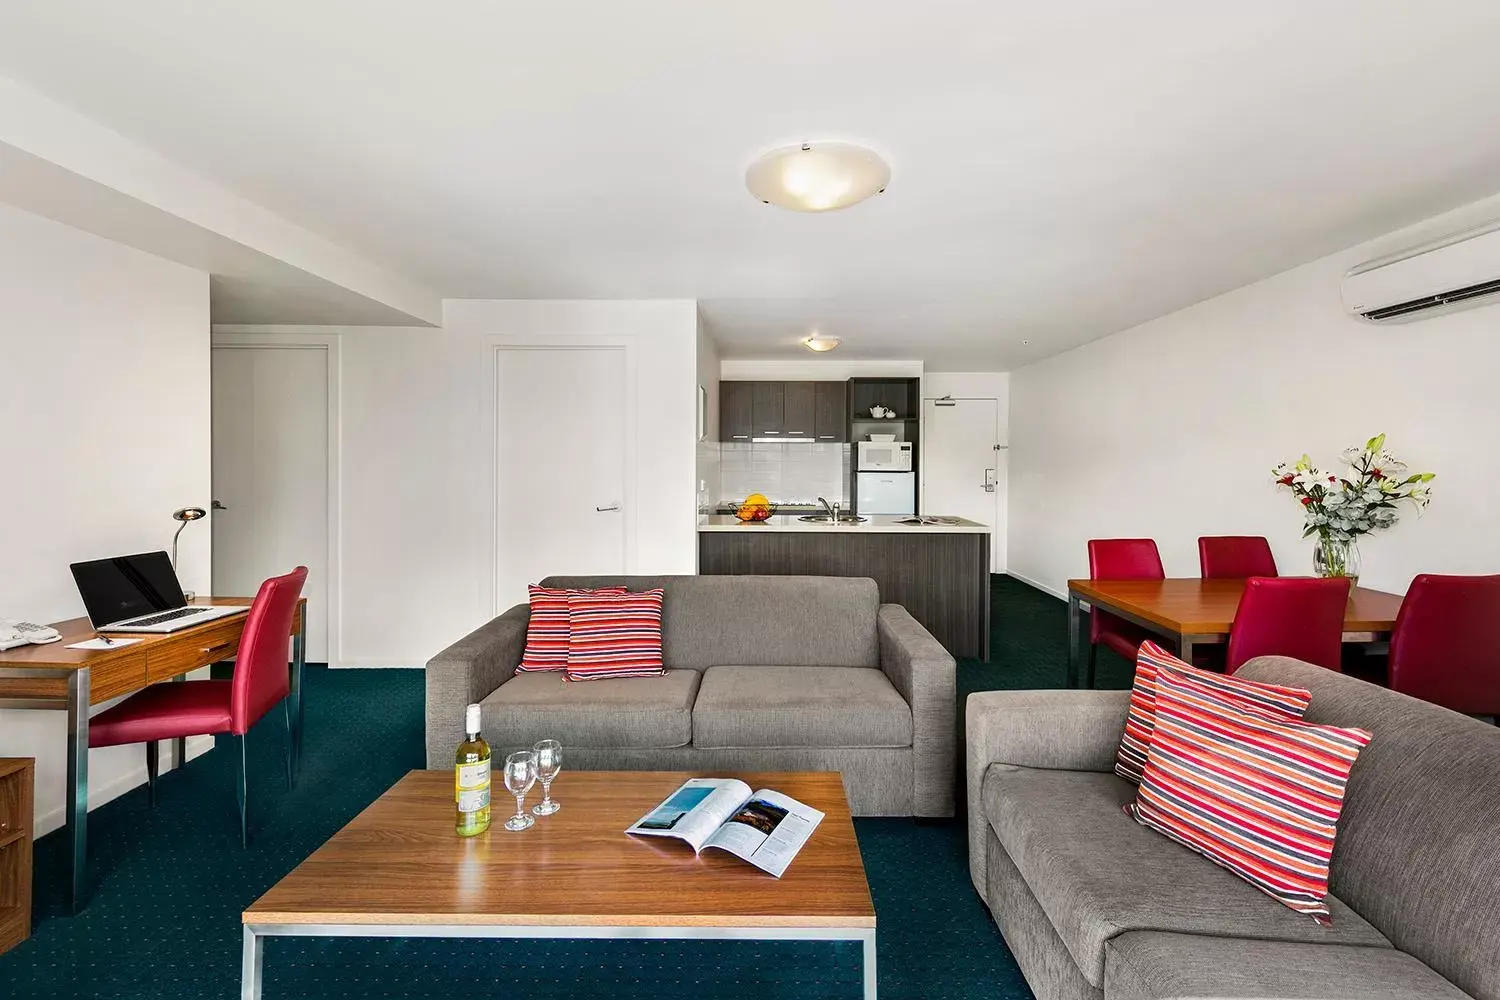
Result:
[1094,905]
[764,673]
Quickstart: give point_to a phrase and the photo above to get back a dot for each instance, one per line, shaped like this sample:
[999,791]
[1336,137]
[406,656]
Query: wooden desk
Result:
[1194,612]
[52,677]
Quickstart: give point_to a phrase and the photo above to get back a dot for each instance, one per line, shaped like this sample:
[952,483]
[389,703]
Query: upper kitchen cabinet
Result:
[798,410]
[766,409]
[831,411]
[784,411]
[736,411]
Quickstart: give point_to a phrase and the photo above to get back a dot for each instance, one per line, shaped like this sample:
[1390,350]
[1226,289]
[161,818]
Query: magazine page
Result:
[694,811]
[767,831]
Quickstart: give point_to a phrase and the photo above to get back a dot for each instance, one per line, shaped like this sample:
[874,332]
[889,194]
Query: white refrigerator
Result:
[885,492]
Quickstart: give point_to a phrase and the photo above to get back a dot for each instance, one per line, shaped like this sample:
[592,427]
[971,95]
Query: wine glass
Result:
[520,775]
[548,763]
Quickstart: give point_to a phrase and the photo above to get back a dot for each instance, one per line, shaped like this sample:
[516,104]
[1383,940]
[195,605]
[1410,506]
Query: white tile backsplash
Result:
[784,471]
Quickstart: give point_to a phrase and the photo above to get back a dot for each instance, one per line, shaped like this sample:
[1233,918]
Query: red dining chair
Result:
[1302,617]
[1445,646]
[1235,557]
[1119,559]
[203,708]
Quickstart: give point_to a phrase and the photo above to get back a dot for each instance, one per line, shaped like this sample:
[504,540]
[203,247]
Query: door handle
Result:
[216,505]
[602,510]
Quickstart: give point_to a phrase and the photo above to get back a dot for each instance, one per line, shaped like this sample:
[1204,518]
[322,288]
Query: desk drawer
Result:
[193,648]
[122,675]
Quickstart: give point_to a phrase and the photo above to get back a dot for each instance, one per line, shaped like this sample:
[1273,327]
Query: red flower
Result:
[1287,479]
[1377,473]
[1333,479]
[1306,501]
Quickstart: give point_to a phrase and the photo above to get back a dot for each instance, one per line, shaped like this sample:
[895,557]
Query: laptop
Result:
[139,593]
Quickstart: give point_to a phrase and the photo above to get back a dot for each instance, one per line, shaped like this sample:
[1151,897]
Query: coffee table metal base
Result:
[252,980]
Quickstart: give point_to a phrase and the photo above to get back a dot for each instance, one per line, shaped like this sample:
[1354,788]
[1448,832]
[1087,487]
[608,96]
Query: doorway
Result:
[560,461]
[271,472]
[964,465]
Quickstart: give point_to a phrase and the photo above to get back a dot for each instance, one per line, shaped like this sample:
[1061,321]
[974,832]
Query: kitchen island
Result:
[938,572]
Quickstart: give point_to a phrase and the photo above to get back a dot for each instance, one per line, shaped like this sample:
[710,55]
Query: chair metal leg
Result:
[244,834]
[1088,673]
[153,762]
[286,714]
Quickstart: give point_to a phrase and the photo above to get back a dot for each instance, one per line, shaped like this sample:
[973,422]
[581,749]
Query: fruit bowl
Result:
[755,509]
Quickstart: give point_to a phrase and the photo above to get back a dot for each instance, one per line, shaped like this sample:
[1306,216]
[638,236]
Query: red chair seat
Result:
[164,712]
[1124,638]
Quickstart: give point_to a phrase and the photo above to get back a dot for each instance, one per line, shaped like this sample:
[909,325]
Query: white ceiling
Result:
[1060,170]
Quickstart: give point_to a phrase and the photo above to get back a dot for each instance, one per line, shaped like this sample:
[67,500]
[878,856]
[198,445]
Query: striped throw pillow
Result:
[547,631]
[1271,699]
[614,635]
[1257,795]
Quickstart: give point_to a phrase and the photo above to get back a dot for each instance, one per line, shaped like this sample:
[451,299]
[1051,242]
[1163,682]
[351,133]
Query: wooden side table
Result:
[16,778]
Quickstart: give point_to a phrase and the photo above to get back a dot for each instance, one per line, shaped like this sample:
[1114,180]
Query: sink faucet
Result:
[832,509]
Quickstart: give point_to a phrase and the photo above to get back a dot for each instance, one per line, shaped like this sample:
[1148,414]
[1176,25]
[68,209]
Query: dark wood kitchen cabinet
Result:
[831,411]
[766,409]
[797,409]
[736,416]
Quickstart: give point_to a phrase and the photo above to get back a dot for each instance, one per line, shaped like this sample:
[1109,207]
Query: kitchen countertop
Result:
[877,524]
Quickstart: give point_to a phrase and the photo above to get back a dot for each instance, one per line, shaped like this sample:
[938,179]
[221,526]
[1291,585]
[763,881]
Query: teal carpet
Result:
[170,882]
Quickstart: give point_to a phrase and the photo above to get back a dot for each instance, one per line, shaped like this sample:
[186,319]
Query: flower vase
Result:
[1337,557]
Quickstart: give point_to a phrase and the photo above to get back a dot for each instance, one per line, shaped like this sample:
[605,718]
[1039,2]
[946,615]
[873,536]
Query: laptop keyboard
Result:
[165,616]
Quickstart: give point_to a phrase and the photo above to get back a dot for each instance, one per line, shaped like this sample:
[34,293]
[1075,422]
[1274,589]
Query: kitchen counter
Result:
[877,524]
[938,572]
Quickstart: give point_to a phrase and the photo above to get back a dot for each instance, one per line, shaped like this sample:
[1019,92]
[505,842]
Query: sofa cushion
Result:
[653,712]
[771,706]
[614,635]
[1097,873]
[809,620]
[547,630]
[1416,851]
[1148,965]
[1259,795]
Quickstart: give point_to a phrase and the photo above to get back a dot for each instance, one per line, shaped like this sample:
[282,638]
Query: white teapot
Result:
[881,412]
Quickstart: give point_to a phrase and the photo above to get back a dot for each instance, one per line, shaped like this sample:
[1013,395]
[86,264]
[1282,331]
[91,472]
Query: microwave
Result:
[884,456]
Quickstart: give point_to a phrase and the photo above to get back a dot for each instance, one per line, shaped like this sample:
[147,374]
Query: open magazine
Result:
[764,828]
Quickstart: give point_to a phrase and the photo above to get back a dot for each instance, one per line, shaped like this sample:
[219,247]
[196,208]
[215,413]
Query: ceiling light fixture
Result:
[820,344]
[817,177]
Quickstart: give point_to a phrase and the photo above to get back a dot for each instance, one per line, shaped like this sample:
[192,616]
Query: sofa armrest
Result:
[922,671]
[1058,730]
[467,672]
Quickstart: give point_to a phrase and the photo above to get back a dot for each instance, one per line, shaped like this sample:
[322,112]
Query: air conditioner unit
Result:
[1443,276]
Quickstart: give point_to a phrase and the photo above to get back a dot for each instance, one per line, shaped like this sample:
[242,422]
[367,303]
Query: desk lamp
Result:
[184,514]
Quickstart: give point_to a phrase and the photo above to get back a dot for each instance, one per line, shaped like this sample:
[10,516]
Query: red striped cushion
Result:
[547,631]
[1258,795]
[1271,699]
[614,635]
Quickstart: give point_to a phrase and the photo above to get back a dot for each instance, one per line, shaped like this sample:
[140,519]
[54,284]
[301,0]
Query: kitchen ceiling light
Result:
[817,177]
[821,344]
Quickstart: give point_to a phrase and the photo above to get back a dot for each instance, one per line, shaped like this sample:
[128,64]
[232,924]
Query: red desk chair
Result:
[1119,559]
[1445,646]
[1235,557]
[1292,616]
[203,708]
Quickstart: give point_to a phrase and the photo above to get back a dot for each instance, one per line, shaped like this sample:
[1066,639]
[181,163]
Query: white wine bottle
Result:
[471,778]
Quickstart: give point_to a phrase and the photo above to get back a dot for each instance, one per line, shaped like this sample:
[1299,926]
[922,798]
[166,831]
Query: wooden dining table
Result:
[1192,612]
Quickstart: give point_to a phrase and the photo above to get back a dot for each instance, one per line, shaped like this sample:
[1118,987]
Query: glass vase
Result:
[1336,557]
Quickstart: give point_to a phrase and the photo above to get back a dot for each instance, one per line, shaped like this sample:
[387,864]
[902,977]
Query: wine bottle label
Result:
[472,786]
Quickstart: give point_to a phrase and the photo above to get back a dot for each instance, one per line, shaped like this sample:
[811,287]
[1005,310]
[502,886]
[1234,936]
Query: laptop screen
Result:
[127,587]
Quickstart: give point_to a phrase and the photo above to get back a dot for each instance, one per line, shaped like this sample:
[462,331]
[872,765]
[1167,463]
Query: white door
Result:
[963,473]
[270,474]
[560,465]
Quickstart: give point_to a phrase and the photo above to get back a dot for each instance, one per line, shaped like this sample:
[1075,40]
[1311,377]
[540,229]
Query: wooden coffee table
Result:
[399,870]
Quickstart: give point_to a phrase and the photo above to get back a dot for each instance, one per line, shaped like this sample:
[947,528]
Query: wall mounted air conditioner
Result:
[1443,276]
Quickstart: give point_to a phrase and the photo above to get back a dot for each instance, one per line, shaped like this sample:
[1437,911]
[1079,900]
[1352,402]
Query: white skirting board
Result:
[99,794]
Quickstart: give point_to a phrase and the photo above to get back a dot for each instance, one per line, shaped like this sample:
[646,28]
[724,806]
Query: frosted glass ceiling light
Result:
[820,344]
[817,177]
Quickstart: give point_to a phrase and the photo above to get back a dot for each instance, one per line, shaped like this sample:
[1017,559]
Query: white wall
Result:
[814,367]
[100,347]
[1170,429]
[416,475]
[982,385]
[708,451]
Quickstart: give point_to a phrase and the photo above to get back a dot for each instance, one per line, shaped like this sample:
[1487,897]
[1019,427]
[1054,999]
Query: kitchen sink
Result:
[825,519]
